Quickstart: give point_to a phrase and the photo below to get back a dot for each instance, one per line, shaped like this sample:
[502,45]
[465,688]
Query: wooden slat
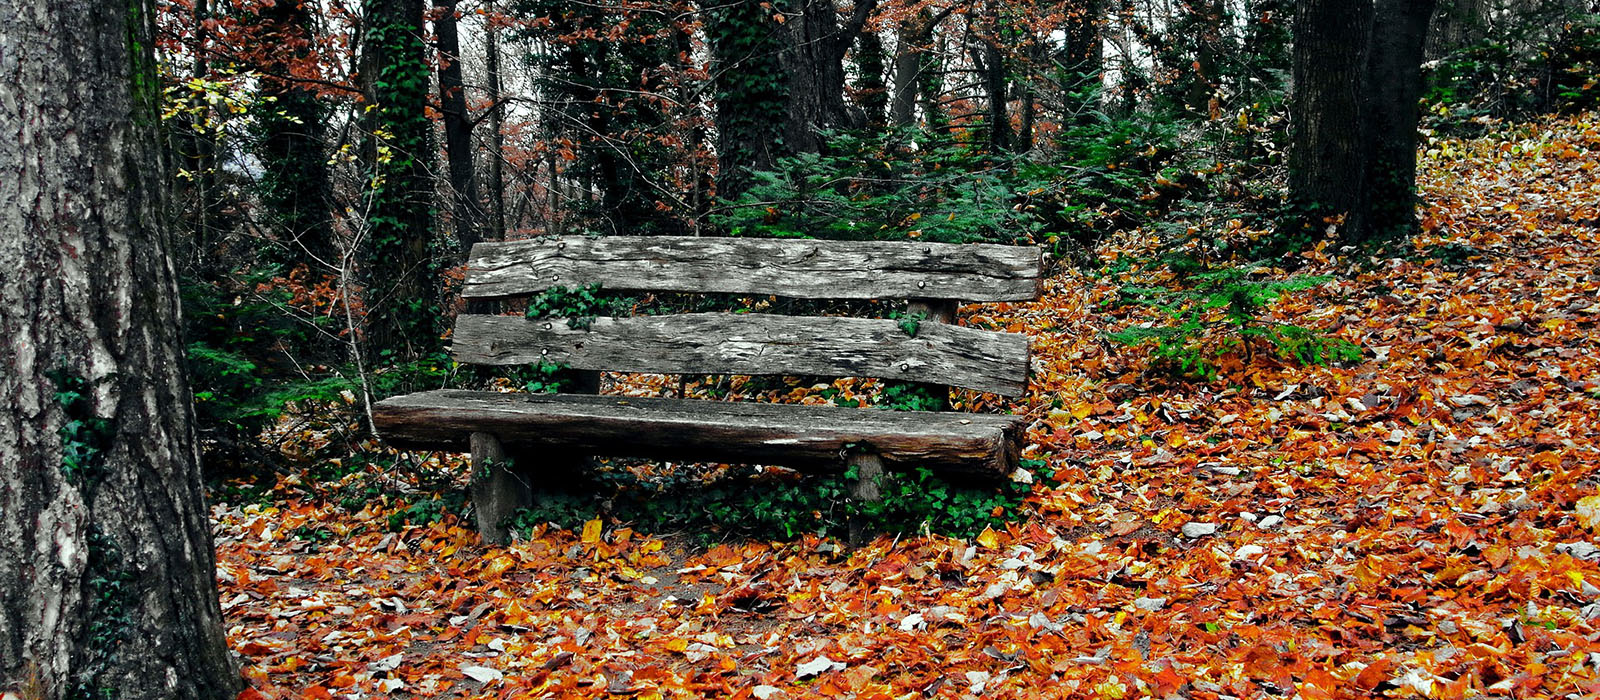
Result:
[757,344]
[808,269]
[801,436]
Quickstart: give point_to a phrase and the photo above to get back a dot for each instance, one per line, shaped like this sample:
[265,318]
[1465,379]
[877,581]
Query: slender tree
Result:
[497,147]
[466,212]
[107,581]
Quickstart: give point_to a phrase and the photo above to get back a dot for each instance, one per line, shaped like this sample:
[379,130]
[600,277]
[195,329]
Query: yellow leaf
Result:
[1589,511]
[591,532]
[989,539]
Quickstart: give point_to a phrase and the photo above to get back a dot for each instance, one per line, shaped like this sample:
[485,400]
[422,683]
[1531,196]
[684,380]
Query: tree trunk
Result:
[466,212]
[750,87]
[1327,155]
[911,40]
[1081,60]
[874,92]
[497,185]
[990,63]
[106,563]
[813,62]
[401,297]
[1456,25]
[1394,70]
[930,83]
[1357,78]
[1212,23]
[294,181]
[199,141]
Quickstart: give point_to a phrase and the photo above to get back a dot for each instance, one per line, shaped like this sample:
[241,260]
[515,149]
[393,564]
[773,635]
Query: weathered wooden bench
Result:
[543,432]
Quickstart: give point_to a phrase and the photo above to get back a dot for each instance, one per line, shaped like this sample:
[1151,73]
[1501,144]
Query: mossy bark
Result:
[107,577]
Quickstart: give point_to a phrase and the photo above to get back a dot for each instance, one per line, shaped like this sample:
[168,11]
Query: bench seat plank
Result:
[758,433]
[754,344]
[803,268]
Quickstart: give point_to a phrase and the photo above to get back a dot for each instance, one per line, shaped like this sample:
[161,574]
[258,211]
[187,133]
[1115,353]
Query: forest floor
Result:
[1419,523]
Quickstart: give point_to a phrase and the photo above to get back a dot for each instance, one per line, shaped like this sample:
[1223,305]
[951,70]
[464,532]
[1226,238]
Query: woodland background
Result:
[1301,426]
[336,161]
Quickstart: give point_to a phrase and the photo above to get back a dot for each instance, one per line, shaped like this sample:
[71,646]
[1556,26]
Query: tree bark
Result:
[497,185]
[1456,24]
[1081,61]
[106,561]
[1357,78]
[1394,70]
[874,92]
[813,61]
[750,87]
[466,212]
[991,64]
[198,142]
[1327,156]
[911,39]
[401,296]
[295,177]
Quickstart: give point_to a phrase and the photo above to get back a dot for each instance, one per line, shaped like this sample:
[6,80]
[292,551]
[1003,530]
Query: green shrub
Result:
[895,186]
[1211,314]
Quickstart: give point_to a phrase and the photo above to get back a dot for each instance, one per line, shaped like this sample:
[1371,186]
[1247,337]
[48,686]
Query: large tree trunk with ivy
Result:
[106,566]
[749,88]
[401,295]
[873,93]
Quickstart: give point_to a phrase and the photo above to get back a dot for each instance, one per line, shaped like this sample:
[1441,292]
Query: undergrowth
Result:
[767,503]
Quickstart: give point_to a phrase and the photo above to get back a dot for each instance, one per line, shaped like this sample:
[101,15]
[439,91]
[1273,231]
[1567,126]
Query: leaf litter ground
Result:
[1421,524]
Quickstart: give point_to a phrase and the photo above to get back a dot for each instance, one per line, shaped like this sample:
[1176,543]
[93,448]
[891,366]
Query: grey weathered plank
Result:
[809,269]
[724,343]
[801,436]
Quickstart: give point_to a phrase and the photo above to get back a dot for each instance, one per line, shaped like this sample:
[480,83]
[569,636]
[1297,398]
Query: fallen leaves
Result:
[1423,524]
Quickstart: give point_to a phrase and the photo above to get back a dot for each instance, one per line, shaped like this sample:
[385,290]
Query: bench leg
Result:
[869,470]
[497,491]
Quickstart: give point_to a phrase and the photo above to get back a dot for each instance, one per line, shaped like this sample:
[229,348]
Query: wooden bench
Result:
[544,433]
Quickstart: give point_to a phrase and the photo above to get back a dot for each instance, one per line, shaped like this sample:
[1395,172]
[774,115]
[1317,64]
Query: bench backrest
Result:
[756,344]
